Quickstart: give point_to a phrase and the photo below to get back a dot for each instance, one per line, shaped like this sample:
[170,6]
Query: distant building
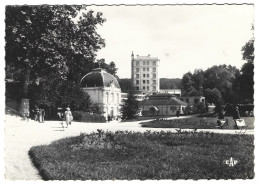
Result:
[192,99]
[162,104]
[104,90]
[144,73]
[176,92]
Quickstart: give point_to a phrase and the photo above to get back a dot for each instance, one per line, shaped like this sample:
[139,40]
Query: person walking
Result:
[236,116]
[221,118]
[43,114]
[60,115]
[178,113]
[37,115]
[68,116]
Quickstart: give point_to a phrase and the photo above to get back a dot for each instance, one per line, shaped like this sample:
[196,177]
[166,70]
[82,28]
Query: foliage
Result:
[83,116]
[49,49]
[246,80]
[214,96]
[125,155]
[170,83]
[125,85]
[130,108]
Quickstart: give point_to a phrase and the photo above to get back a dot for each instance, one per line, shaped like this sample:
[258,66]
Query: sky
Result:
[183,37]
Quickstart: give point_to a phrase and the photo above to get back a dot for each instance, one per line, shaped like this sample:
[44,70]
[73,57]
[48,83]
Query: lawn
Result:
[150,155]
[196,123]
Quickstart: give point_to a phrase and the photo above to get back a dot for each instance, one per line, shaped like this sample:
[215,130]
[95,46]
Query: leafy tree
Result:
[187,83]
[170,83]
[48,43]
[130,109]
[214,96]
[125,85]
[198,80]
[246,80]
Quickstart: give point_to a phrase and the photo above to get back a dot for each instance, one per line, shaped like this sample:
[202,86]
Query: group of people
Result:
[221,121]
[39,115]
[65,116]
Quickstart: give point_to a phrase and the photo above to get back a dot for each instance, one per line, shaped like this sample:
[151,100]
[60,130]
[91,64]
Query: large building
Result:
[144,73]
[104,90]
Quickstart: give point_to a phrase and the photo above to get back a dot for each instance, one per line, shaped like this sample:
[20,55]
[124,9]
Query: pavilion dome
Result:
[99,78]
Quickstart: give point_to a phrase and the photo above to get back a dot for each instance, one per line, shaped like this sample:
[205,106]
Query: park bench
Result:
[241,123]
[222,123]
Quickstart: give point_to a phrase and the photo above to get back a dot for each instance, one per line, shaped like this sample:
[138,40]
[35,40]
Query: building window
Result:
[137,87]
[154,88]
[172,108]
[143,75]
[144,81]
[154,81]
[137,69]
[147,75]
[147,81]
[143,87]
[137,63]
[137,81]
[147,87]
[154,63]
[143,69]
[154,69]
[137,76]
[196,101]
[154,75]
[143,62]
[147,69]
[147,62]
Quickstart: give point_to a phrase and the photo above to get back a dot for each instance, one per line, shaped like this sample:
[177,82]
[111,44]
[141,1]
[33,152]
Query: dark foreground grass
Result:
[157,155]
[196,123]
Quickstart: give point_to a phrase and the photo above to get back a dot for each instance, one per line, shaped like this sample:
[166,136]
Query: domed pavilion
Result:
[104,90]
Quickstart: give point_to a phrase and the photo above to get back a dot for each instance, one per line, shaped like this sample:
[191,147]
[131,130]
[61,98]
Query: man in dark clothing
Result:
[221,116]
[43,114]
[236,116]
[178,113]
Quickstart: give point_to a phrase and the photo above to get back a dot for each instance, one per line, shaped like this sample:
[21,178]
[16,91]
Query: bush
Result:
[128,155]
[87,117]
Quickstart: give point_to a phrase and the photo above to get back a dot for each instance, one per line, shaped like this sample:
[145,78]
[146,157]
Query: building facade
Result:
[162,104]
[192,99]
[145,74]
[104,90]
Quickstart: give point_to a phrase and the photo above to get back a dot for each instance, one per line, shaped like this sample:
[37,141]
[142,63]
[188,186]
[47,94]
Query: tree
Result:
[50,44]
[187,83]
[130,109]
[214,96]
[246,80]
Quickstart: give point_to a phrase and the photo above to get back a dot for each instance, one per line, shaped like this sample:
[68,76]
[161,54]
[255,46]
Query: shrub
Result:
[87,117]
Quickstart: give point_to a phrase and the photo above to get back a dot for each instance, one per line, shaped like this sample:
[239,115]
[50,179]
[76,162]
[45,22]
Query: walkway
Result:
[20,136]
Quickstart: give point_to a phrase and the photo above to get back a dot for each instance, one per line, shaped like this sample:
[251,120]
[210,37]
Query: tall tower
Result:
[132,70]
[145,76]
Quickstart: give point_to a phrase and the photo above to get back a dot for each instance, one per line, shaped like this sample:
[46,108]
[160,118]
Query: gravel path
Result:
[20,136]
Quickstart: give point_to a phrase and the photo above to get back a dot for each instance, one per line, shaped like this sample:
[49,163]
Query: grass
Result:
[196,123]
[150,155]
